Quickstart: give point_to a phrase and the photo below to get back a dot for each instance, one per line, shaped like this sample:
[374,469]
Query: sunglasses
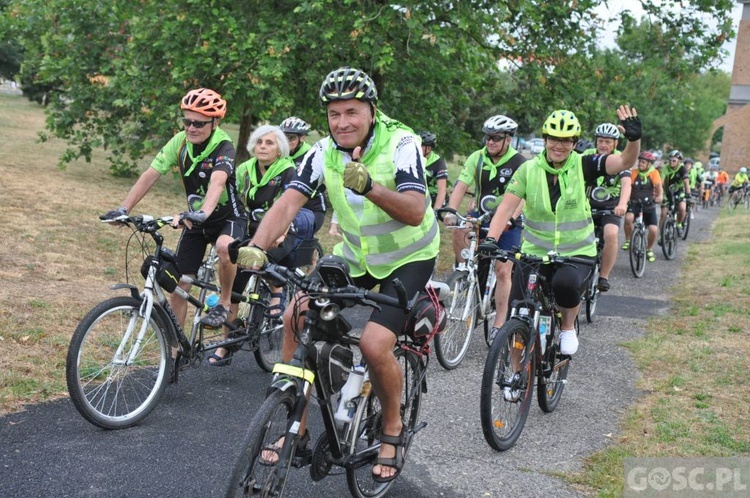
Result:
[494,138]
[195,124]
[291,137]
[566,142]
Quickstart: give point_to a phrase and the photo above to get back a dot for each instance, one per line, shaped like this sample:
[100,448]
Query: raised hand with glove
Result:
[630,124]
[357,179]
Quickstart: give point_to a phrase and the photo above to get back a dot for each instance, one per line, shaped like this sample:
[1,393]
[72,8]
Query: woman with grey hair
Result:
[260,181]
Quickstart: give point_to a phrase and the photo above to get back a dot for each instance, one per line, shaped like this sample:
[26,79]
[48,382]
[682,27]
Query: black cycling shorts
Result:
[414,276]
[191,248]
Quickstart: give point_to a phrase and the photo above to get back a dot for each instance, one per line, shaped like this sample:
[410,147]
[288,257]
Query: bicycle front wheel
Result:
[638,252]
[553,373]
[271,332]
[258,471]
[452,344]
[592,294]
[115,377]
[506,389]
[669,239]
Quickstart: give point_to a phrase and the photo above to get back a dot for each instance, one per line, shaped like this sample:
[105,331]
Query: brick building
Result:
[735,147]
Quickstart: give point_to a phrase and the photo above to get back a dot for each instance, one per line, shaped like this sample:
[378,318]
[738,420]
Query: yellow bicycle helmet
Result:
[562,124]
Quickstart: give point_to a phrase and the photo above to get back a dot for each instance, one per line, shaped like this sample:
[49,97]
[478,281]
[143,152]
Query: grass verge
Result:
[694,364]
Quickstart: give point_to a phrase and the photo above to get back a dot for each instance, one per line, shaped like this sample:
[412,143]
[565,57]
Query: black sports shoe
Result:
[216,317]
[602,284]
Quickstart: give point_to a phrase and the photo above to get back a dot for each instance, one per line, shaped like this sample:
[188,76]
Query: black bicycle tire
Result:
[592,295]
[144,376]
[252,444]
[490,388]
[638,252]
[686,222]
[270,332]
[444,339]
[490,323]
[669,239]
[550,359]
[369,432]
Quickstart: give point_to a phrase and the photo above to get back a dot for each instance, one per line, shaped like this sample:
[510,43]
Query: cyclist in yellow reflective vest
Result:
[393,233]
[557,215]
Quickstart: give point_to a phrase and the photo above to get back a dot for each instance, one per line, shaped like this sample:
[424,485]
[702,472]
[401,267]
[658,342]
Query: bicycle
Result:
[528,345]
[684,229]
[472,286]
[119,359]
[592,294]
[668,235]
[352,426]
[737,197]
[639,240]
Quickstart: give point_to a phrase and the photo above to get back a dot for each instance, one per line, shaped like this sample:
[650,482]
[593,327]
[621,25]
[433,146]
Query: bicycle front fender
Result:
[287,376]
[133,289]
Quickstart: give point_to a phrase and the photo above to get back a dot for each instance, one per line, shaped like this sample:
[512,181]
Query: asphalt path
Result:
[186,446]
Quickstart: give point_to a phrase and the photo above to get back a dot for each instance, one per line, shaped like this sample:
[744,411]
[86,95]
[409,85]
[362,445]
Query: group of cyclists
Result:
[384,182]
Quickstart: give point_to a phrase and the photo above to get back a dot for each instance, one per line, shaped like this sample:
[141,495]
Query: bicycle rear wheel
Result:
[368,426]
[254,472]
[638,252]
[452,344]
[506,391]
[113,380]
[553,373]
[669,238]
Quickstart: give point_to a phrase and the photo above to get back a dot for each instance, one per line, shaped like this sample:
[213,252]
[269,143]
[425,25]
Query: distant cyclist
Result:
[311,217]
[674,174]
[647,191]
[609,192]
[740,180]
[436,171]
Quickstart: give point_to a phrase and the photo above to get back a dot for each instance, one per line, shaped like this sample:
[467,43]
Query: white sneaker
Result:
[568,342]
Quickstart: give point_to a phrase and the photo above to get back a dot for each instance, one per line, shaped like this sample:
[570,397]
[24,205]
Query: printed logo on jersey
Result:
[195,202]
[489,203]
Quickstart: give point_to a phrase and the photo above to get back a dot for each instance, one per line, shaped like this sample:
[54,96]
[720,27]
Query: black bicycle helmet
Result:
[428,139]
[347,83]
[583,145]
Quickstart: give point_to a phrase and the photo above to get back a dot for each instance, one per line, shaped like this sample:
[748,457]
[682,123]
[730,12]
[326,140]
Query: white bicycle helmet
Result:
[499,124]
[295,126]
[607,130]
[743,170]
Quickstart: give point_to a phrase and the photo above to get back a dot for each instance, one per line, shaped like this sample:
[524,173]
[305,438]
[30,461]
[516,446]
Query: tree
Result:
[116,69]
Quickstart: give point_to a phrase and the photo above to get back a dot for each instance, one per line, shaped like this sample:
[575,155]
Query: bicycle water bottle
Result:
[212,300]
[351,390]
[545,327]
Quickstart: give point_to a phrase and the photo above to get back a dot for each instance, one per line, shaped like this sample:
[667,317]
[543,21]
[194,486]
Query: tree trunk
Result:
[246,122]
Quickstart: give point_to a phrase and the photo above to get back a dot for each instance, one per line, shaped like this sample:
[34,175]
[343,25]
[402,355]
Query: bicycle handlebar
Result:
[350,292]
[550,258]
[465,219]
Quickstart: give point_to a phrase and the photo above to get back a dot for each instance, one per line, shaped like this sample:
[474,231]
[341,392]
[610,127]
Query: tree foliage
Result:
[115,70]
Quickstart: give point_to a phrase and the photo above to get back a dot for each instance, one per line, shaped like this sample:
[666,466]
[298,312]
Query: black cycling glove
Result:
[633,128]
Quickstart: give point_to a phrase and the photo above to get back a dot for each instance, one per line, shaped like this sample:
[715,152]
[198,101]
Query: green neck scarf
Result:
[217,137]
[492,167]
[254,179]
[642,175]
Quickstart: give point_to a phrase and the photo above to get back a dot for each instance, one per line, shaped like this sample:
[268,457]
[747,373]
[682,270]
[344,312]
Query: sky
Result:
[635,7]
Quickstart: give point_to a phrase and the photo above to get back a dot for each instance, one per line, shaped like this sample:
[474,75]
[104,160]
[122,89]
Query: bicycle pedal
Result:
[302,458]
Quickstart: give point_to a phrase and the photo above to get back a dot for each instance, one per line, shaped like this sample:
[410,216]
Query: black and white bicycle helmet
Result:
[499,124]
[607,130]
[347,83]
[675,153]
[295,126]
[428,139]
